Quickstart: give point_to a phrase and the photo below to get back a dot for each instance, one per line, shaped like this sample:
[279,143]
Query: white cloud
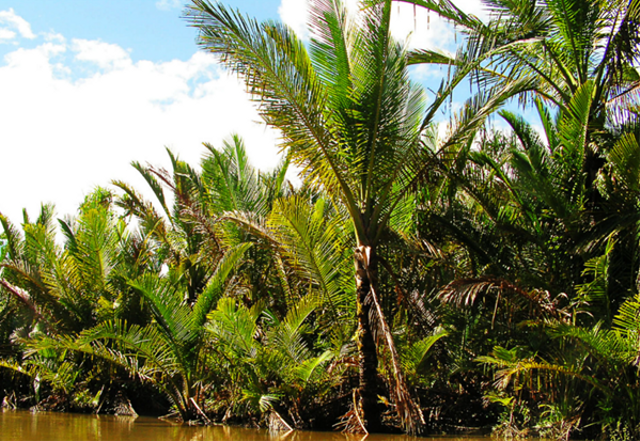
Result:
[166,5]
[473,7]
[9,18]
[295,13]
[428,73]
[420,28]
[53,37]
[424,29]
[6,34]
[105,55]
[66,130]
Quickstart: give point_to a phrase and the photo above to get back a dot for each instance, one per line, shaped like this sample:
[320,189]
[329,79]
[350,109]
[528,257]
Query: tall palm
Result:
[351,120]
[562,44]
[194,230]
[563,47]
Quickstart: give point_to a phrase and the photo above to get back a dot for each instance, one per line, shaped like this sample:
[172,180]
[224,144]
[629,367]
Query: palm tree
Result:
[564,191]
[267,364]
[195,229]
[189,252]
[590,377]
[351,120]
[57,288]
[71,287]
[566,48]
[309,242]
[170,352]
[562,44]
[231,187]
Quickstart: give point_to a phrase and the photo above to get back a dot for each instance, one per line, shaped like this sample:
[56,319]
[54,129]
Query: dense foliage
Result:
[480,280]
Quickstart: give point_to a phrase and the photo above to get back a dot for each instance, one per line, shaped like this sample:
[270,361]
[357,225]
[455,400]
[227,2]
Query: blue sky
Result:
[87,86]
[152,29]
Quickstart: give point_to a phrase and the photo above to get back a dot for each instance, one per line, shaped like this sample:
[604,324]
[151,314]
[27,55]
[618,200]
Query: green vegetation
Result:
[480,280]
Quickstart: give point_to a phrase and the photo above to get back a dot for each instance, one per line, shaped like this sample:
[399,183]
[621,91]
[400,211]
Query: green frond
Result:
[307,368]
[431,56]
[574,123]
[169,310]
[312,240]
[234,327]
[62,376]
[624,159]
[12,236]
[511,366]
[627,325]
[155,186]
[215,285]
[331,35]
[287,335]
[414,355]
[230,180]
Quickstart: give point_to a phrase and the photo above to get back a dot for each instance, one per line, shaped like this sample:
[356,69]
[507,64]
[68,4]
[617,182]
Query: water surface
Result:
[49,426]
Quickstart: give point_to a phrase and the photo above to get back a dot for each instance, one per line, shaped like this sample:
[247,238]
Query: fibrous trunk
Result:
[366,271]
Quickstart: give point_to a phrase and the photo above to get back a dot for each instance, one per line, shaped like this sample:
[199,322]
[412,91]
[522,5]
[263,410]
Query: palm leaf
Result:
[215,285]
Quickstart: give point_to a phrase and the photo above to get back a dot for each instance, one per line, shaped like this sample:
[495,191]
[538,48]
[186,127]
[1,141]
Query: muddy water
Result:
[45,426]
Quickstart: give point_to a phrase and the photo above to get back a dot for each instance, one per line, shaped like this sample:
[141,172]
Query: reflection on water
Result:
[46,426]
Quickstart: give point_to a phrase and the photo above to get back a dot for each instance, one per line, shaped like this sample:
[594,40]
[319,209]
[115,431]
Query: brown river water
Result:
[47,426]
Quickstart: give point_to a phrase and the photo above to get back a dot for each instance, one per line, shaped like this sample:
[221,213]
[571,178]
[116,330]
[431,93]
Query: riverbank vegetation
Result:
[415,280]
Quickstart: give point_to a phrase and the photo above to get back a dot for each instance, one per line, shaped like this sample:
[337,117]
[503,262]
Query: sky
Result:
[88,86]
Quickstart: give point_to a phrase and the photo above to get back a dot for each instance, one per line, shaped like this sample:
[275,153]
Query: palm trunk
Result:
[186,399]
[191,411]
[366,271]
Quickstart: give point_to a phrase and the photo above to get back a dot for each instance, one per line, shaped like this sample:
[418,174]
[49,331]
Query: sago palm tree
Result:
[57,288]
[351,120]
[195,228]
[267,364]
[170,352]
[72,287]
[565,48]
[562,44]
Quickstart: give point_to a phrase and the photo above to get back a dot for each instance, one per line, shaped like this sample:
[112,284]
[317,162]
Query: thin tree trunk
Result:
[366,270]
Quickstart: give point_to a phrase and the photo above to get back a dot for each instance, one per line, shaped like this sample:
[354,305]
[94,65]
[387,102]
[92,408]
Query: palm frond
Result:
[215,285]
